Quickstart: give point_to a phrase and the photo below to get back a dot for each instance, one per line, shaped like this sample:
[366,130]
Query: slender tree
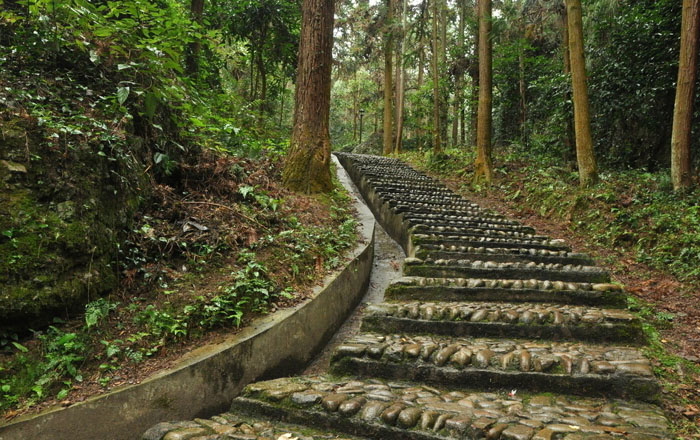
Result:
[400,81]
[437,141]
[569,141]
[307,167]
[483,164]
[192,60]
[587,169]
[388,88]
[685,91]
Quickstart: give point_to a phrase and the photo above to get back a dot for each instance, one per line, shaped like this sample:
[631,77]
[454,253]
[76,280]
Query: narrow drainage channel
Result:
[387,266]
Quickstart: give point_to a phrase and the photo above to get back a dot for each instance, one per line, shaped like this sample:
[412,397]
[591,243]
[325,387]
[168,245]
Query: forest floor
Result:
[227,245]
[667,304]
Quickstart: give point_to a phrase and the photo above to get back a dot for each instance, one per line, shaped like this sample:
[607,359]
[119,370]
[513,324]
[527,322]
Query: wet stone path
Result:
[493,332]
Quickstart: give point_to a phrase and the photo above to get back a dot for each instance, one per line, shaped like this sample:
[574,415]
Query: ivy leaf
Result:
[122,94]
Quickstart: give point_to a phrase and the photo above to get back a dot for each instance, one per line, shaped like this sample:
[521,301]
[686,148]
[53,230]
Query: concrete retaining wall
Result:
[205,382]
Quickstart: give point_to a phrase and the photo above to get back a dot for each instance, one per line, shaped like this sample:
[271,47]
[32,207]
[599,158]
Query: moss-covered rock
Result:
[61,214]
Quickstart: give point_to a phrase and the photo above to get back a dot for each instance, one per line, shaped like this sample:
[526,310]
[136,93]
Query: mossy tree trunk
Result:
[307,167]
[685,91]
[483,165]
[437,141]
[587,169]
[388,83]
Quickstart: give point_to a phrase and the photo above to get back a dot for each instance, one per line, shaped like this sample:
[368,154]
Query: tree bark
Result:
[388,88]
[587,169]
[483,164]
[685,91]
[420,133]
[354,105]
[192,60]
[307,167]
[400,83]
[569,141]
[437,142]
[474,74]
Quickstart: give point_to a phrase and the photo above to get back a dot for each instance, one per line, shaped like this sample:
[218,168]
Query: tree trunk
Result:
[437,146]
[401,83]
[307,167]
[388,88]
[588,174]
[474,74]
[523,97]
[569,141]
[420,133]
[444,98]
[192,60]
[354,106]
[483,165]
[685,91]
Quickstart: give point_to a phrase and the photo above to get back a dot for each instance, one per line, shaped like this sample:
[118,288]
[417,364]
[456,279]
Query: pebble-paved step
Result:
[509,290]
[488,315]
[502,255]
[448,268]
[399,410]
[507,320]
[487,242]
[571,367]
[232,426]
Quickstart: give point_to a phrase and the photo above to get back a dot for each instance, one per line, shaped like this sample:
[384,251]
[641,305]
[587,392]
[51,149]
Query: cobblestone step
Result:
[568,367]
[235,426]
[489,319]
[419,225]
[501,255]
[495,219]
[396,410]
[485,241]
[504,270]
[505,290]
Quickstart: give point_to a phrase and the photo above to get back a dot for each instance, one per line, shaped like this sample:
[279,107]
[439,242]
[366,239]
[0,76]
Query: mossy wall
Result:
[62,212]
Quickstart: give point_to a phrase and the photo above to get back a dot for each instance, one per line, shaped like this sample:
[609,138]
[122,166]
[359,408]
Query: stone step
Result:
[508,270]
[484,241]
[475,231]
[235,426]
[488,319]
[465,225]
[458,219]
[505,290]
[425,208]
[501,255]
[561,367]
[406,411]
[476,227]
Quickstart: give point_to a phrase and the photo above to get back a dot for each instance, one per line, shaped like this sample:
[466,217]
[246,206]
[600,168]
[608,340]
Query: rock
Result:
[13,167]
[372,410]
[390,414]
[427,419]
[444,354]
[351,406]
[185,433]
[332,401]
[409,417]
[307,398]
[517,432]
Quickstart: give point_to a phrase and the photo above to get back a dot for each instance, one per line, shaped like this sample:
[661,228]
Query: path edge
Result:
[205,381]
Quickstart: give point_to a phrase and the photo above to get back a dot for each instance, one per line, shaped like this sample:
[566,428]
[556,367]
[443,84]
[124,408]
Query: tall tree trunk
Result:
[354,105]
[460,72]
[444,98]
[192,60]
[523,97]
[569,141]
[388,88]
[420,133]
[437,143]
[400,83]
[587,169]
[307,167]
[474,74]
[685,91]
[483,165]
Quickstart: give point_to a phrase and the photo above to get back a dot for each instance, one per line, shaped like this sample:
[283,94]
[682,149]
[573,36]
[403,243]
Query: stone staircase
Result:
[494,332]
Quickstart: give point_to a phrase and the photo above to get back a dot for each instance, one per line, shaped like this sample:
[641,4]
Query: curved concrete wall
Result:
[205,382]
